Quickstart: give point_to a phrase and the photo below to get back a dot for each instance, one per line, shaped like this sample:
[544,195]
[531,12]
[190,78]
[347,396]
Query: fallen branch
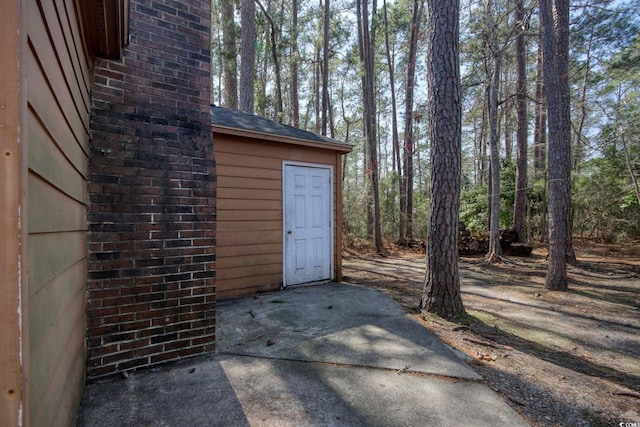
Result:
[403,370]
[256,337]
[516,401]
[488,344]
[633,394]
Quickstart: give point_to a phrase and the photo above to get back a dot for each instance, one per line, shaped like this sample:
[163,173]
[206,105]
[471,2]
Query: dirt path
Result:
[560,359]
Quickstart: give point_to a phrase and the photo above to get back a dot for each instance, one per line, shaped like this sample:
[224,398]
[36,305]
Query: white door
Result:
[308,224]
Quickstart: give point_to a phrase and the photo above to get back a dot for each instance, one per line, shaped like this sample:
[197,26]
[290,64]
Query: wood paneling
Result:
[255,271]
[248,193]
[253,183]
[249,215]
[47,43]
[56,211]
[42,103]
[246,204]
[252,260]
[11,394]
[56,126]
[247,172]
[245,238]
[258,224]
[244,286]
[249,211]
[50,254]
[256,250]
[51,162]
[81,63]
[68,341]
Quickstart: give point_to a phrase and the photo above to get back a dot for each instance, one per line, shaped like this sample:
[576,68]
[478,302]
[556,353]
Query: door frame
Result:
[328,167]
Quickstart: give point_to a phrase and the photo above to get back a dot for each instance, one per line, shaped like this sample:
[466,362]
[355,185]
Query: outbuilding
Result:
[279,204]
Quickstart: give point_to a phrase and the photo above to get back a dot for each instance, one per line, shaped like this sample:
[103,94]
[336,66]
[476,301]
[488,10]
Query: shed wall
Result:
[249,230]
[56,123]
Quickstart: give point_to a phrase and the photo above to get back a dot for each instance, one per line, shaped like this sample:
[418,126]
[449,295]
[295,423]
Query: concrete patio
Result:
[331,354]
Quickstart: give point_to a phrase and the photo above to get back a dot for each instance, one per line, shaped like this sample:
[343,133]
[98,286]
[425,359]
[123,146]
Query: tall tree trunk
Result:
[441,293]
[622,137]
[260,103]
[276,62]
[495,251]
[540,141]
[579,147]
[366,41]
[505,115]
[494,140]
[484,177]
[295,102]
[392,89]
[520,202]
[325,66]
[627,157]
[230,54]
[540,126]
[247,54]
[316,89]
[395,149]
[408,122]
[554,19]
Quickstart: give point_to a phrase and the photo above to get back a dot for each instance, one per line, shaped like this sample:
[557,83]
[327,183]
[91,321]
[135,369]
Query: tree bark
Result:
[494,139]
[484,177]
[247,54]
[441,293]
[295,102]
[366,41]
[317,98]
[229,54]
[632,172]
[520,202]
[540,126]
[325,67]
[554,19]
[579,147]
[395,149]
[276,62]
[407,235]
[392,86]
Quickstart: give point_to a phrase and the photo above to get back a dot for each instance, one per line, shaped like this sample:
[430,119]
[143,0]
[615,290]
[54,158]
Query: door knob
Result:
[289,232]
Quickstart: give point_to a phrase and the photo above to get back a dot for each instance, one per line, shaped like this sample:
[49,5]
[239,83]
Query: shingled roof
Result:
[235,122]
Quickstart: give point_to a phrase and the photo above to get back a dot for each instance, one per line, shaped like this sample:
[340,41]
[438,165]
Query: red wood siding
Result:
[249,212]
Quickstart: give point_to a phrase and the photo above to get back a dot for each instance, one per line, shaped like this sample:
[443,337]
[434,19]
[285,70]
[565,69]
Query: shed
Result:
[279,204]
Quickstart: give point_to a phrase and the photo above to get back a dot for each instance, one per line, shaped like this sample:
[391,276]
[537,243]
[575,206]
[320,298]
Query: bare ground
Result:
[559,358]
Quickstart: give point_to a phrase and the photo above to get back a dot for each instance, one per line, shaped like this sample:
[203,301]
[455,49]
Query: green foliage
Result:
[354,215]
[474,208]
[605,205]
[420,214]
[474,200]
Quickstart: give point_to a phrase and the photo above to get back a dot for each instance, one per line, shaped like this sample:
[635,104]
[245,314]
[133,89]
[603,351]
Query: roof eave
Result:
[105,24]
[337,146]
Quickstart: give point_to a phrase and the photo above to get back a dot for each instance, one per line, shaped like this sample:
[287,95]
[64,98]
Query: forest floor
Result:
[558,358]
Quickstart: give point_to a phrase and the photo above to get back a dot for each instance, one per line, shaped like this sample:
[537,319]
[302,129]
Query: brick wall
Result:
[151,272]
